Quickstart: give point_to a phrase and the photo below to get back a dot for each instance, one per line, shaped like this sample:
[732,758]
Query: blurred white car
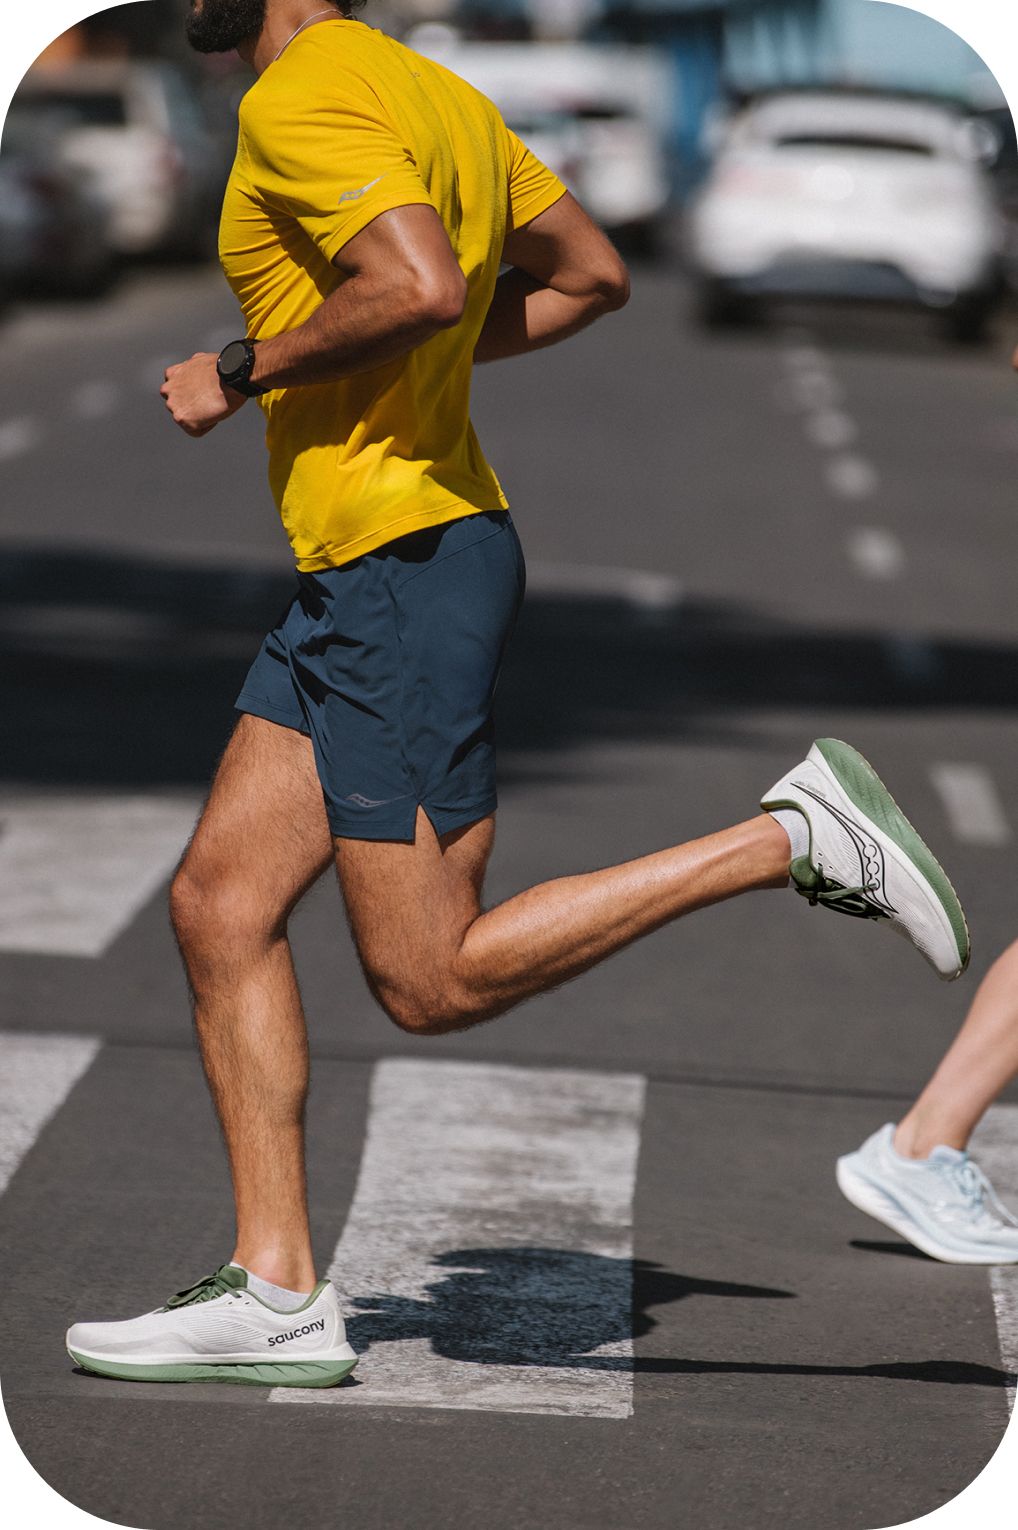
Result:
[137,129]
[849,195]
[596,116]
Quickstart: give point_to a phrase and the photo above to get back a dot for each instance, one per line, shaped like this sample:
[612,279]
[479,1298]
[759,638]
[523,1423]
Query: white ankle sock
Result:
[276,1296]
[795,826]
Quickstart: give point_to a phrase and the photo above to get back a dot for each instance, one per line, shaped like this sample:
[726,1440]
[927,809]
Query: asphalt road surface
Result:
[593,1254]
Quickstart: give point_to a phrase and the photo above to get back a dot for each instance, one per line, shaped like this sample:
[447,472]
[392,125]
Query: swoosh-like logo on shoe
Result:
[871,857]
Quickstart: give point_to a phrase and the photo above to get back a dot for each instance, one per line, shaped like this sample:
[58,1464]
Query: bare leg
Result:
[982,1060]
[262,841]
[437,963]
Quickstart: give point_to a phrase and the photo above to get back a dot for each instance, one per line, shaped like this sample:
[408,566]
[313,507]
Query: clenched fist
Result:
[196,397]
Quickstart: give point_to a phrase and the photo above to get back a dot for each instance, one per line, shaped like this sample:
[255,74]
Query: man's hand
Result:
[195,396]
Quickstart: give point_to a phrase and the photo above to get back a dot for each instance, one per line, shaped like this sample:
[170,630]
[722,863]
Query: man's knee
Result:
[428,1005]
[212,906]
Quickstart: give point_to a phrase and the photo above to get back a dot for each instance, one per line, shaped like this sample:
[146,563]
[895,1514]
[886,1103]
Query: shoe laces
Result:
[204,1290]
[968,1179]
[819,888]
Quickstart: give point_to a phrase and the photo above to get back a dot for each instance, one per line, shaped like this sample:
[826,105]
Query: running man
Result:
[373,200]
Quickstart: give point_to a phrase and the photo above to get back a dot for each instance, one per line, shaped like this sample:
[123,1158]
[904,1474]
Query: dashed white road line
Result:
[649,591]
[875,552]
[831,429]
[816,390]
[74,871]
[972,804]
[37,1073]
[805,356]
[19,436]
[852,476]
[486,1260]
[95,400]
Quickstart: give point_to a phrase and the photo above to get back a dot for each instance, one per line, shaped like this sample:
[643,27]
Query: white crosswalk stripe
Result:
[486,1260]
[75,870]
[37,1073]
[973,806]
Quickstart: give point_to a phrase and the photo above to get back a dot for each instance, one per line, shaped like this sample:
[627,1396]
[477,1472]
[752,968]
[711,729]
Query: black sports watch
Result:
[235,365]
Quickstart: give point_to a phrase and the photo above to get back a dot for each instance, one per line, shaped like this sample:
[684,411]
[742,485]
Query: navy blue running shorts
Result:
[389,665]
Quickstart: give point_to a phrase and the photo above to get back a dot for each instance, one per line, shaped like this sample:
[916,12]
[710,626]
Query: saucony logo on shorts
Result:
[352,196]
[297,1333]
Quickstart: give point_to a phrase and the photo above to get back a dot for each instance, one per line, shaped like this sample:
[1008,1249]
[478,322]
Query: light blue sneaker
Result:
[944,1204]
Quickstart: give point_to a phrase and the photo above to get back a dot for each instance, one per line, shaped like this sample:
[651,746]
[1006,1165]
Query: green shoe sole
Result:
[861,784]
[294,1373]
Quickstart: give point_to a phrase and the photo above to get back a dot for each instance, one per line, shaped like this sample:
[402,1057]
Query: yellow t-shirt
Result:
[345,125]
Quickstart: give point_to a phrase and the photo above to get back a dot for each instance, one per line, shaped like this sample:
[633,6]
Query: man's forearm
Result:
[360,326]
[526,316]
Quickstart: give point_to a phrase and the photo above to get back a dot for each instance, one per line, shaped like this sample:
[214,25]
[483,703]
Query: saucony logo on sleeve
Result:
[353,196]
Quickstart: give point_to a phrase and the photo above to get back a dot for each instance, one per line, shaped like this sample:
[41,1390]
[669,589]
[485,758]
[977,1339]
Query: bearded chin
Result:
[221,25]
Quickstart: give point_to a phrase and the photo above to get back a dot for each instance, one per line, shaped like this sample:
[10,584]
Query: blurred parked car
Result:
[849,195]
[54,228]
[138,129]
[596,116]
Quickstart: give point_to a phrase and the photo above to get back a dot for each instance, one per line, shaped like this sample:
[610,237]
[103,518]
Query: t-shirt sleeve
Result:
[332,167]
[533,188]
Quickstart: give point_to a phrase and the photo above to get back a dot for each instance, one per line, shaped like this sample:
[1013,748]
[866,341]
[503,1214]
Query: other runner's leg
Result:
[917,1177]
[980,1063]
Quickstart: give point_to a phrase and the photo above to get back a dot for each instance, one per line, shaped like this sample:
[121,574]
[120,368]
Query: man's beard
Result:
[220,25]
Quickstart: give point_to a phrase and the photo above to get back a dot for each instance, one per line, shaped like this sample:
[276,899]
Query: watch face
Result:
[233,358]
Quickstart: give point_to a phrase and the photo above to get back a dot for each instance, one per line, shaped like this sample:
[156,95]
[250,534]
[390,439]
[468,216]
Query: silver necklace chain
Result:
[306,22]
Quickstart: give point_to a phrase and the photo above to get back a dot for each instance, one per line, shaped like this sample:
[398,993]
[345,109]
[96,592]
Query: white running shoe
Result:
[218,1330]
[943,1204]
[865,858]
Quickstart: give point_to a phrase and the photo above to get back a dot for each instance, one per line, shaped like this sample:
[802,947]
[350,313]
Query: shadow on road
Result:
[533,1306]
[904,1250]
[119,672]
[551,1307]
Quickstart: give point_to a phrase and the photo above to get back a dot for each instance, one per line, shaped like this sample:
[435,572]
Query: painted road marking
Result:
[832,429]
[486,1260]
[973,806]
[875,552]
[74,871]
[19,436]
[805,356]
[110,632]
[37,1073]
[995,1149]
[95,400]
[815,390]
[851,476]
[648,591]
